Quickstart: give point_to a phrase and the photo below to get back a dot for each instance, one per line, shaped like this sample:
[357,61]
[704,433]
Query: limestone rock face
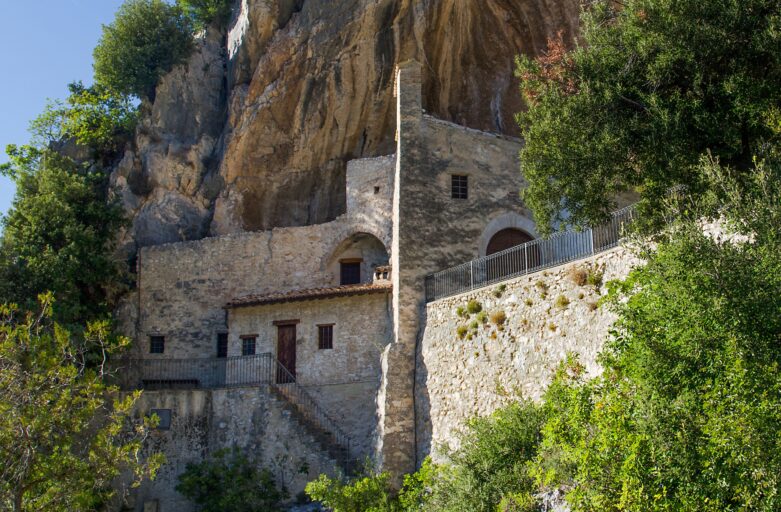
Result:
[255,130]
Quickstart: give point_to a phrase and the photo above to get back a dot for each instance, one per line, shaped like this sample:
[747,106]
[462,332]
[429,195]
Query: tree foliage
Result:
[59,236]
[490,463]
[650,88]
[98,118]
[61,443]
[489,466]
[228,480]
[146,40]
[687,415]
[207,12]
[368,493]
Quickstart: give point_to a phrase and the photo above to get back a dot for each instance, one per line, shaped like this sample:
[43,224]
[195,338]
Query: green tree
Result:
[370,492]
[651,87]
[490,463]
[687,414]
[146,40]
[98,118]
[228,480]
[59,236]
[488,468]
[62,443]
[207,12]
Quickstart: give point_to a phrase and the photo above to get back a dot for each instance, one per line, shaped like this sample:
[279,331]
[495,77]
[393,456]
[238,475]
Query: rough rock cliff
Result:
[255,130]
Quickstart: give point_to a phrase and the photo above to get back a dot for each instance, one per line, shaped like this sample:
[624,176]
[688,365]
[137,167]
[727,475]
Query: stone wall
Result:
[433,231]
[548,314]
[183,287]
[343,380]
[203,422]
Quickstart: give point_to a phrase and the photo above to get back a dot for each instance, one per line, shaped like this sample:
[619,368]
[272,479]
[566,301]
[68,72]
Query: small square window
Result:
[222,344]
[325,337]
[376,190]
[351,272]
[459,187]
[156,344]
[164,417]
[248,344]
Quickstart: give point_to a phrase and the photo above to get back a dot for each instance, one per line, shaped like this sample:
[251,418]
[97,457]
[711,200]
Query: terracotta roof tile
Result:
[310,294]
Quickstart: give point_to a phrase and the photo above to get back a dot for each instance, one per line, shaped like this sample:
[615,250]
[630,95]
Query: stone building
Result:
[307,347]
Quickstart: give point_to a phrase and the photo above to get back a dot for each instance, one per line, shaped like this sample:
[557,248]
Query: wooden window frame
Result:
[327,342]
[459,186]
[246,338]
[153,345]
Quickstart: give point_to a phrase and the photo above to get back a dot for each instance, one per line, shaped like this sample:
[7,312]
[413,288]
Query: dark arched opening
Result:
[505,239]
[501,265]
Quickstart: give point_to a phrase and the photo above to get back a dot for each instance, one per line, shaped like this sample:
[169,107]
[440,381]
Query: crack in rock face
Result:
[255,130]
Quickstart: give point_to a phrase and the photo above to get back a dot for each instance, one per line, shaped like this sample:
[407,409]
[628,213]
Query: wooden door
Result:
[286,353]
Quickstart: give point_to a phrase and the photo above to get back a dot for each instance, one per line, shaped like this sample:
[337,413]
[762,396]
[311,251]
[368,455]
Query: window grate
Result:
[350,272]
[325,337]
[156,344]
[459,187]
[248,345]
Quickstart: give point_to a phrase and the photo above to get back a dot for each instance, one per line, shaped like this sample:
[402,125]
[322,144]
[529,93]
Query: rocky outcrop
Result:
[256,129]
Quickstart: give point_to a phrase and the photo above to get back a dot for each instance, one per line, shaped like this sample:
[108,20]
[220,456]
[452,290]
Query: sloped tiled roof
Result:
[310,294]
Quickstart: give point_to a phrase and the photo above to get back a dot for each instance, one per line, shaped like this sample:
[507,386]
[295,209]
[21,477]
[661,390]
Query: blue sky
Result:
[44,45]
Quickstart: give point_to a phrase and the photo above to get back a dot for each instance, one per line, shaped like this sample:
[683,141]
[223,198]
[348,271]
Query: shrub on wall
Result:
[473,307]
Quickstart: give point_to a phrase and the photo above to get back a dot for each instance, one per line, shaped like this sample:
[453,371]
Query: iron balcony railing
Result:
[230,372]
[530,257]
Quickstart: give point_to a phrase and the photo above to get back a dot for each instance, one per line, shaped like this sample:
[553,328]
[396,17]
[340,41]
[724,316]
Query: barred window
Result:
[325,337]
[222,344]
[248,344]
[156,344]
[350,272]
[459,187]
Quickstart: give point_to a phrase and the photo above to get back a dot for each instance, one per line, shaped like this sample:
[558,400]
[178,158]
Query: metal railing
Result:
[286,386]
[229,372]
[530,257]
[212,373]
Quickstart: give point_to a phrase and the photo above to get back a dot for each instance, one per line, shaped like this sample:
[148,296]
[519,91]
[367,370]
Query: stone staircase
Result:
[326,440]
[323,429]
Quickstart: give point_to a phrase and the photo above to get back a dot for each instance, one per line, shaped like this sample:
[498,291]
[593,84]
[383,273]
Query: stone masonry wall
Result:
[548,315]
[203,422]
[343,380]
[183,287]
[433,231]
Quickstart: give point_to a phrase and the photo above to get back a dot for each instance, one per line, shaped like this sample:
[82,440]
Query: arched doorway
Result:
[501,265]
[355,258]
[506,238]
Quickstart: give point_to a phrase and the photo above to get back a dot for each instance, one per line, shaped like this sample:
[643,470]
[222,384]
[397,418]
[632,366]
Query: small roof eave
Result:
[309,294]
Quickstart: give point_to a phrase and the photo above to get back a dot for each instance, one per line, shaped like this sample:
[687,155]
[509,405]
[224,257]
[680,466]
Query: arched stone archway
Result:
[354,259]
[509,220]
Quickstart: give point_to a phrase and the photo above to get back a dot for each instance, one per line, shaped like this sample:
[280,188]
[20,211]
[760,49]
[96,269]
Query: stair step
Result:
[326,439]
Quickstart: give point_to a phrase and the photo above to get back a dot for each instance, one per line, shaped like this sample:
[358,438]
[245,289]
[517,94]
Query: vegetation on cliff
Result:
[145,41]
[65,434]
[651,86]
